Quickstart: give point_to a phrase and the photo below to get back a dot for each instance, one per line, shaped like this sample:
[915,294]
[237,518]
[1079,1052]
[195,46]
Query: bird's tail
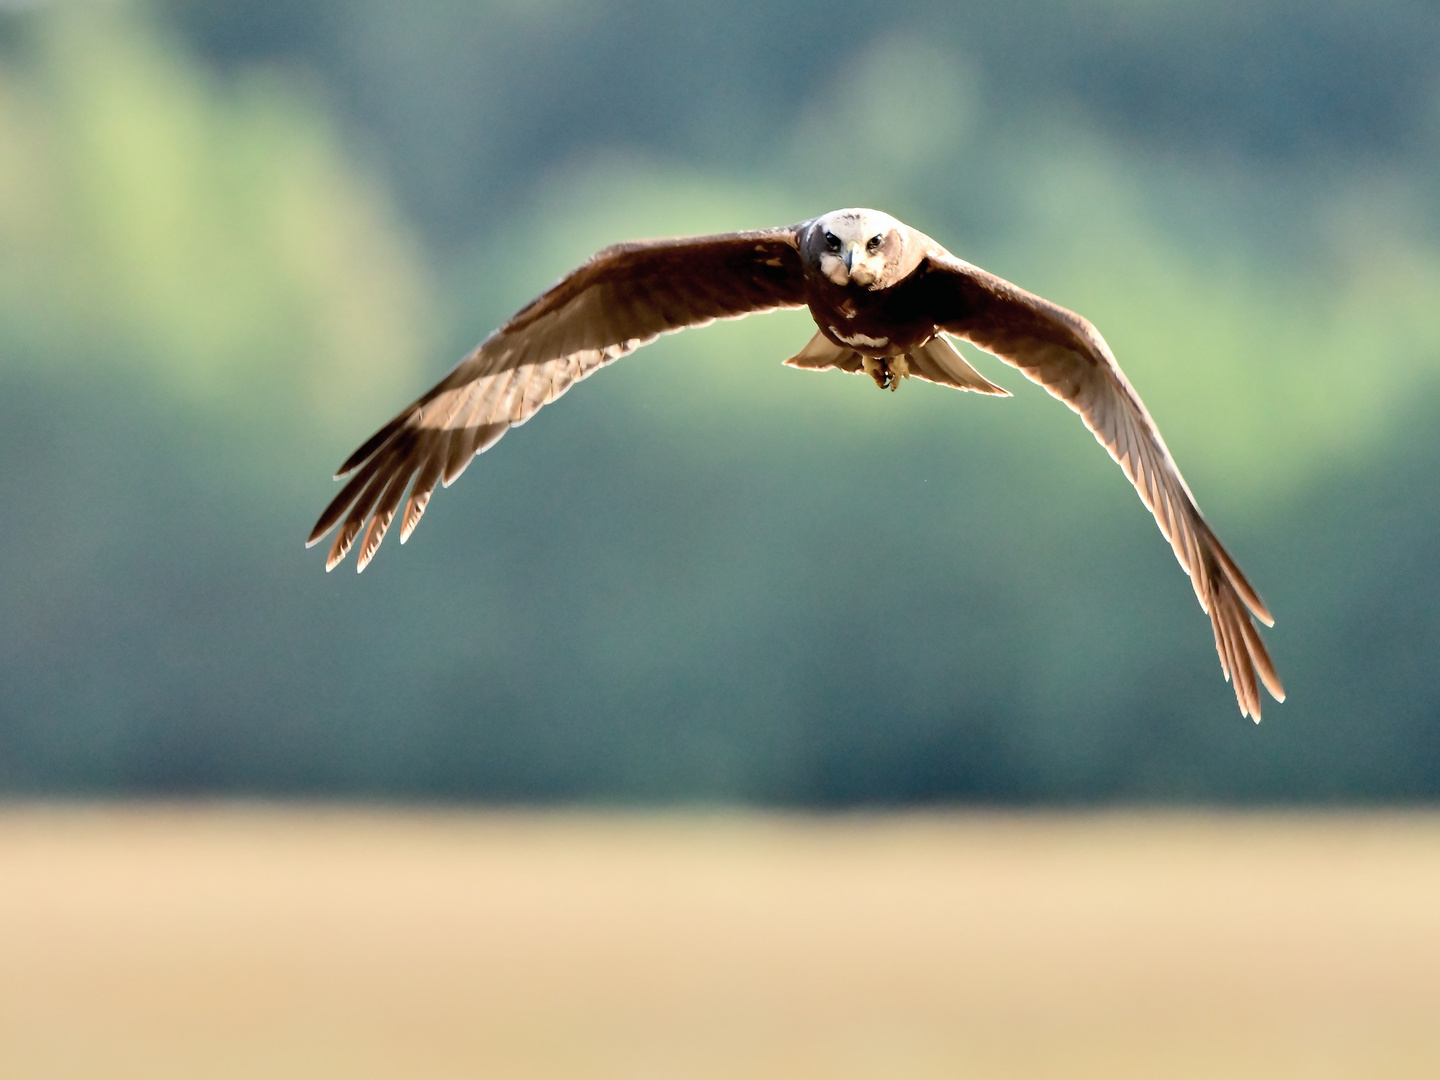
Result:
[936,361]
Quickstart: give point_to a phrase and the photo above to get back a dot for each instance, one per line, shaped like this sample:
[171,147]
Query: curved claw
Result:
[880,370]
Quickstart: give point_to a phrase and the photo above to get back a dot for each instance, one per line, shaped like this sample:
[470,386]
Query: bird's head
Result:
[859,247]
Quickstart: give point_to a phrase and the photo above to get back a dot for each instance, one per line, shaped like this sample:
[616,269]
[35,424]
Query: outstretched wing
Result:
[1067,356]
[624,297]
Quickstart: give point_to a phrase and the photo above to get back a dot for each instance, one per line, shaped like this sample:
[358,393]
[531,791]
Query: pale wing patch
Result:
[622,299]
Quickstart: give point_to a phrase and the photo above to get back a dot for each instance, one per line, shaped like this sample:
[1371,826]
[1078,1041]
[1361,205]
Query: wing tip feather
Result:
[414,511]
[1244,659]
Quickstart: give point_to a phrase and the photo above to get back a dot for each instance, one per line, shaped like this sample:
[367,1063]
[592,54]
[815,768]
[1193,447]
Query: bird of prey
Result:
[883,296]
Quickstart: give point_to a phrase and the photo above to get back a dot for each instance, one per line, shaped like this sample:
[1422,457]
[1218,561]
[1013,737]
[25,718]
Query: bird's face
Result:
[857,247]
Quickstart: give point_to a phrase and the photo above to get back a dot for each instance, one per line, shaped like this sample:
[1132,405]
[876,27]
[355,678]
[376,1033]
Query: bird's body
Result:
[883,297]
[887,323]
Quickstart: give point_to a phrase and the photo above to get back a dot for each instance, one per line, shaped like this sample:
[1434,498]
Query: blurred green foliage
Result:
[235,237]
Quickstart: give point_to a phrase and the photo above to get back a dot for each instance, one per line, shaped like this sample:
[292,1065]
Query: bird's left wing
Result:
[1066,355]
[624,297]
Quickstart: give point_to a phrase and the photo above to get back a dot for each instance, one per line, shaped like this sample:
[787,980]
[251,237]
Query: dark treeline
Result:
[245,233]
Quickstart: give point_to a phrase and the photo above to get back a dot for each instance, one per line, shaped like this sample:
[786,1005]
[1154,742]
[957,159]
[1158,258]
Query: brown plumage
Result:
[881,293]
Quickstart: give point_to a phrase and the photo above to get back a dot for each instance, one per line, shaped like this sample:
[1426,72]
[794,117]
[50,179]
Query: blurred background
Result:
[552,791]
[235,237]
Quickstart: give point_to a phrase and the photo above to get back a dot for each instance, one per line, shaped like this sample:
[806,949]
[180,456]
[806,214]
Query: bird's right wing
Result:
[1066,355]
[624,297]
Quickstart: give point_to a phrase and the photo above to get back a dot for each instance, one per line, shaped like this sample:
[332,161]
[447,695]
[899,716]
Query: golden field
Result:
[287,942]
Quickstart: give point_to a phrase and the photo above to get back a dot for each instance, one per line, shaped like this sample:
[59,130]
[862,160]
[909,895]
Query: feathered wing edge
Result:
[1065,354]
[623,298]
[429,456]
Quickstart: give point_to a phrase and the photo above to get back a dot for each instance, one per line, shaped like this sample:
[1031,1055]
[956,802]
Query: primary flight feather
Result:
[882,295]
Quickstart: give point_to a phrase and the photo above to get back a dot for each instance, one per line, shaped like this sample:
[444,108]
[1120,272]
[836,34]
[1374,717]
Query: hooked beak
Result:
[857,266]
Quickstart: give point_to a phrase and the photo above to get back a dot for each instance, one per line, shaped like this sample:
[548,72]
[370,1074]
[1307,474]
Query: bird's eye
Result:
[832,241]
[874,244]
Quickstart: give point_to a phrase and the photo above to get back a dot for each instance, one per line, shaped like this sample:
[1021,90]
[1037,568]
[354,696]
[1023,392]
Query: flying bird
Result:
[883,295]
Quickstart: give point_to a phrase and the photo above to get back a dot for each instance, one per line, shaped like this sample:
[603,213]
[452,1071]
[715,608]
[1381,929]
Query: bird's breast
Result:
[870,322]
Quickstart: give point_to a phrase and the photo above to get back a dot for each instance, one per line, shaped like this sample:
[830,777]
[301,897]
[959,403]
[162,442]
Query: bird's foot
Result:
[886,373]
[885,377]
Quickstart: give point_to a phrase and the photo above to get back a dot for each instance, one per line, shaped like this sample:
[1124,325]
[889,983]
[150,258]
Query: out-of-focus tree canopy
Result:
[236,237]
